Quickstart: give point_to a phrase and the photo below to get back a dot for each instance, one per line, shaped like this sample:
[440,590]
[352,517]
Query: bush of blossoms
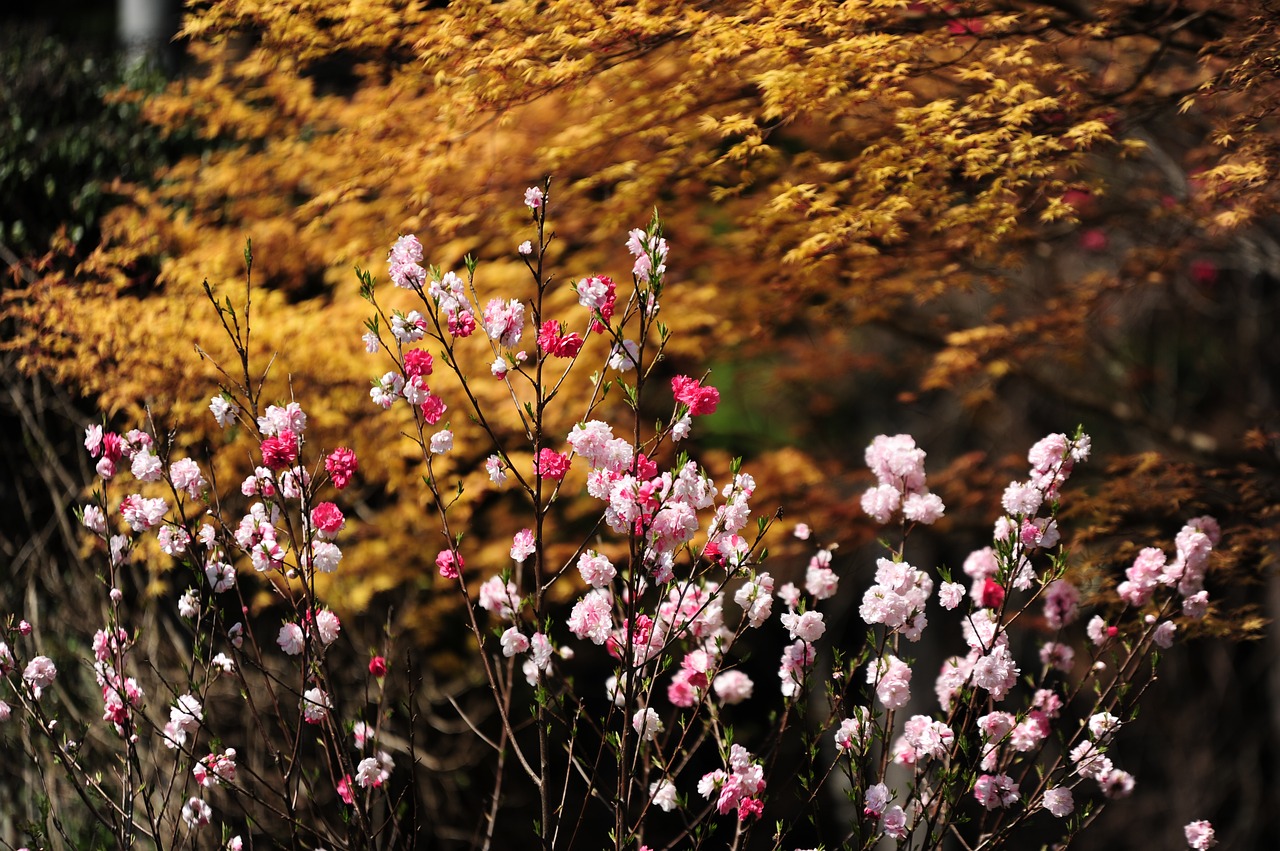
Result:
[662,595]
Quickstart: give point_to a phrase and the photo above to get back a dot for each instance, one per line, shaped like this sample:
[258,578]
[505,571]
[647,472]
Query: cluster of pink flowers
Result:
[738,787]
[659,612]
[898,465]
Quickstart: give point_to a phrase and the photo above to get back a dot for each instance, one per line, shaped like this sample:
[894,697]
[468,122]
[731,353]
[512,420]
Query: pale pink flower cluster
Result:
[819,579]
[855,732]
[898,598]
[893,819]
[216,769]
[663,795]
[891,678]
[404,261]
[998,790]
[499,598]
[39,674]
[738,787]
[732,687]
[504,321]
[756,599]
[898,465]
[1200,836]
[650,251]
[922,738]
[373,771]
[184,720]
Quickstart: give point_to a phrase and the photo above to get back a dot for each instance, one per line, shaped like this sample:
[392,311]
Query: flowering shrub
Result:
[269,732]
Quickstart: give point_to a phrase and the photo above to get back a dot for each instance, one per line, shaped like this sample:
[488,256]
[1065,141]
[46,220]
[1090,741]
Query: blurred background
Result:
[975,223]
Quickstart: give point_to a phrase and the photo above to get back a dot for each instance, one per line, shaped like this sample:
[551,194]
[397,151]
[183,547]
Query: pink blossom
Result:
[1116,784]
[996,671]
[880,502]
[499,597]
[950,595]
[998,790]
[680,692]
[894,822]
[442,442]
[663,795]
[403,263]
[142,513]
[689,391]
[450,564]
[378,667]
[513,642]
[184,719]
[341,465]
[533,197]
[892,680]
[522,545]
[291,639]
[504,321]
[647,724]
[280,451]
[196,813]
[875,799]
[327,626]
[315,705]
[926,508]
[39,674]
[854,731]
[599,295]
[1061,603]
[1022,499]
[551,464]
[806,627]
[1200,836]
[820,580]
[1058,801]
[732,687]
[186,476]
[328,519]
[1090,761]
[418,363]
[597,571]
[216,769]
[372,772]
[992,594]
[1058,656]
[897,462]
[592,617]
[344,790]
[497,472]
[553,341]
[1196,605]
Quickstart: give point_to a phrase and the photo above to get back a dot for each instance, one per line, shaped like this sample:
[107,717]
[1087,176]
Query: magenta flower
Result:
[342,465]
[280,451]
[551,464]
[689,391]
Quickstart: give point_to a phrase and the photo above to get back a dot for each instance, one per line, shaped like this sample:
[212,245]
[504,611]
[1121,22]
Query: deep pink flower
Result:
[689,391]
[280,451]
[433,409]
[552,340]
[328,518]
[378,667]
[342,465]
[417,362]
[551,464]
[450,566]
[344,790]
[992,594]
